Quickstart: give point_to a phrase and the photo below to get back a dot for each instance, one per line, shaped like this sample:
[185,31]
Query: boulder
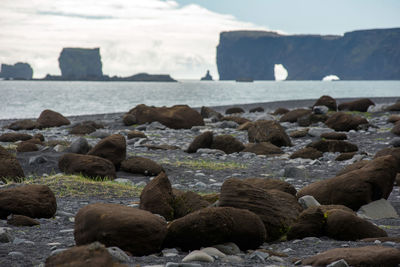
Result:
[355,166]
[82,129]
[187,202]
[157,197]
[268,131]
[207,112]
[21,220]
[256,109]
[333,146]
[344,225]
[345,156]
[307,153]
[92,255]
[49,118]
[341,121]
[212,226]
[79,146]
[176,117]
[23,125]
[362,256]
[234,110]
[277,209]
[141,165]
[112,148]
[136,134]
[379,209]
[263,148]
[90,166]
[311,222]
[227,143]
[9,167]
[394,118]
[35,201]
[360,105]
[307,120]
[280,111]
[27,146]
[129,119]
[136,231]
[293,115]
[326,101]
[396,129]
[299,133]
[203,140]
[394,107]
[245,126]
[334,136]
[14,137]
[238,120]
[356,188]
[272,184]
[393,151]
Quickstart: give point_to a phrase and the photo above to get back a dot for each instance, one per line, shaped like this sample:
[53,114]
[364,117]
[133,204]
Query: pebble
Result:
[16,254]
[118,254]
[66,231]
[259,255]
[276,258]
[4,236]
[308,201]
[339,263]
[170,252]
[377,242]
[389,243]
[232,259]
[213,252]
[287,250]
[57,251]
[198,255]
[228,248]
[123,181]
[173,264]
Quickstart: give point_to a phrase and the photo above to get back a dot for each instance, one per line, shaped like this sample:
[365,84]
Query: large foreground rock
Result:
[212,226]
[176,117]
[35,201]
[268,131]
[363,256]
[91,166]
[9,167]
[277,209]
[136,231]
[112,148]
[356,188]
[49,118]
[341,121]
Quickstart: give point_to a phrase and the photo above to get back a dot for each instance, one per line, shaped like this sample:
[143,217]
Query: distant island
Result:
[358,55]
[18,71]
[207,77]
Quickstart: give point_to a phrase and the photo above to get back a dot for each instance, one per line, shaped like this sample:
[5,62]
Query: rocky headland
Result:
[306,182]
[357,55]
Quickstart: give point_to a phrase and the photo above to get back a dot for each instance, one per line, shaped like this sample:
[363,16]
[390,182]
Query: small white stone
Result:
[198,255]
[213,252]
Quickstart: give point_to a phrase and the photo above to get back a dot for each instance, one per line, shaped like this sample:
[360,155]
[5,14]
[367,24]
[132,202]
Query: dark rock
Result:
[310,57]
[161,147]
[263,148]
[23,125]
[79,146]
[307,153]
[394,118]
[268,131]
[345,156]
[227,143]
[271,184]
[393,151]
[207,112]
[129,119]
[299,133]
[280,111]
[333,146]
[141,165]
[157,197]
[49,118]
[343,225]
[90,166]
[311,222]
[21,220]
[234,110]
[257,109]
[334,136]
[341,121]
[14,137]
[203,140]
[112,148]
[92,255]
[326,101]
[277,209]
[212,226]
[35,141]
[9,167]
[394,107]
[18,71]
[396,129]
[80,63]
[27,147]
[356,188]
[82,129]
[245,126]
[136,134]
[35,201]
[187,202]
[145,77]
[238,120]
[176,117]
[293,115]
[382,239]
[207,77]
[362,256]
[136,231]
[360,105]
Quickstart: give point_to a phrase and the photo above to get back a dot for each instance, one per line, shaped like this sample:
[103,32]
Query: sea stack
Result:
[80,64]
[18,71]
[208,77]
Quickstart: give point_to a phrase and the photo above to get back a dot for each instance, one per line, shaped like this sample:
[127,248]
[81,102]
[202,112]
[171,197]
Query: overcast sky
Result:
[175,37]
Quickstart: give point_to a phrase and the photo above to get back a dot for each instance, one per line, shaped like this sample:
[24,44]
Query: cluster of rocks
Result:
[243,214]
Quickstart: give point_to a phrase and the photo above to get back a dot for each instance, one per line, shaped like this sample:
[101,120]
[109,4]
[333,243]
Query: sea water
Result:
[26,99]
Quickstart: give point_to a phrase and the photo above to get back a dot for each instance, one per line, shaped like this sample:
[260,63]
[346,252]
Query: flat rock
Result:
[198,255]
[379,209]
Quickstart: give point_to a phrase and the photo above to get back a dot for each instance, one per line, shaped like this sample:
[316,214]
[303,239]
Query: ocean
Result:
[27,99]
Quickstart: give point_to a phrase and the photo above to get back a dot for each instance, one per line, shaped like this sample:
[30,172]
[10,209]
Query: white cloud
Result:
[134,36]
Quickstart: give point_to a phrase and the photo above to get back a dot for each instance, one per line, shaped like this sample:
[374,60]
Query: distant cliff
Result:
[80,64]
[358,55]
[18,71]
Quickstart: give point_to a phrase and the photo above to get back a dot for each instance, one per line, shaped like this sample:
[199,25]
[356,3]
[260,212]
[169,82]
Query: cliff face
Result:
[358,55]
[80,64]
[18,71]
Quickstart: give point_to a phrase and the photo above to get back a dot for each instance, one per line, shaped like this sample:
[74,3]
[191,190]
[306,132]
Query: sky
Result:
[177,37]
